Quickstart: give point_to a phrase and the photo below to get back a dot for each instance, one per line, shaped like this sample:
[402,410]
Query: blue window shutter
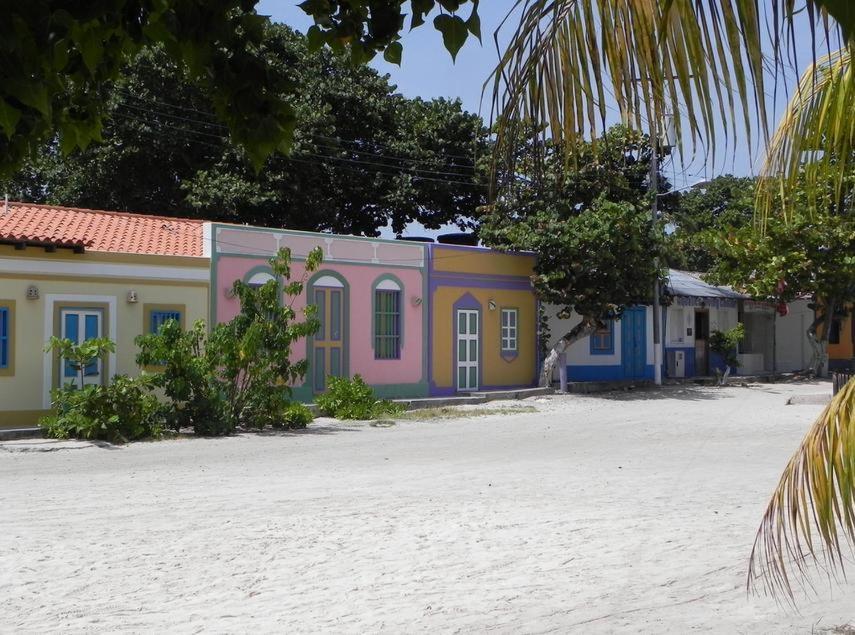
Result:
[4,337]
[90,327]
[159,318]
[72,322]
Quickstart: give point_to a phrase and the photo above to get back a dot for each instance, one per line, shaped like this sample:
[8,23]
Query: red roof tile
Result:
[96,230]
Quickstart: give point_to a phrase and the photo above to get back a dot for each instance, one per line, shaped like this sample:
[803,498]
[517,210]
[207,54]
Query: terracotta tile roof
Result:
[96,230]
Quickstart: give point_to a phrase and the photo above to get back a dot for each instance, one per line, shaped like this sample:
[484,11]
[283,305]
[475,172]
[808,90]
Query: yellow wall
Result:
[481,261]
[495,371]
[22,392]
[846,348]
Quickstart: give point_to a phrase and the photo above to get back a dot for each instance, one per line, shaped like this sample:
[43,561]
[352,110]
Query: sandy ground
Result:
[629,512]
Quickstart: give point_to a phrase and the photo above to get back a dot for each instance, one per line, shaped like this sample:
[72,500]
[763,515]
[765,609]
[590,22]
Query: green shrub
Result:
[295,416]
[252,353]
[124,410]
[239,374]
[186,374]
[354,399]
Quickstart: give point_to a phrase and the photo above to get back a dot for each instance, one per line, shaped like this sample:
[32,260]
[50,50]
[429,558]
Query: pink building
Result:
[371,296]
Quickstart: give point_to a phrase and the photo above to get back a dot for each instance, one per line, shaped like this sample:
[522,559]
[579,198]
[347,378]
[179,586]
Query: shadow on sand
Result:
[682,392]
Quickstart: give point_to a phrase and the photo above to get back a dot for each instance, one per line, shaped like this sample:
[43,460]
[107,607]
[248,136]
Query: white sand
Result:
[621,513]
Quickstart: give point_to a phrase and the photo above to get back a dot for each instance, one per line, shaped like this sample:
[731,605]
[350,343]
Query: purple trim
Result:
[451,392]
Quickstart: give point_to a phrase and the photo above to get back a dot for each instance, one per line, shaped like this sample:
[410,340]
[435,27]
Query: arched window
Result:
[388,317]
[258,279]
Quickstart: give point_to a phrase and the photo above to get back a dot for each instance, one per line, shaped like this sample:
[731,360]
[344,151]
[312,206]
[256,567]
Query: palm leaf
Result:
[813,146]
[810,517]
[706,63]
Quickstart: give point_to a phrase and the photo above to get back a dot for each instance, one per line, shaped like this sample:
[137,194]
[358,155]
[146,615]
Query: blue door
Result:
[634,342]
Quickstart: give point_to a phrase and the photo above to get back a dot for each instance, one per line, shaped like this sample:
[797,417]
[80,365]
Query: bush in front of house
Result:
[725,344]
[123,410]
[179,365]
[296,416]
[354,399]
[239,374]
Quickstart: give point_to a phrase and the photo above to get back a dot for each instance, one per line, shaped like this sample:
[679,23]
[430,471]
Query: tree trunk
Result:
[585,328]
[819,345]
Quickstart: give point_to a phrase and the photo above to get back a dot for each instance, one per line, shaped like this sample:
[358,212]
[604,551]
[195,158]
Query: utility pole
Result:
[654,219]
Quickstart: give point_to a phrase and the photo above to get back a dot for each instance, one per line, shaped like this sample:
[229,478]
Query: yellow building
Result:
[81,274]
[483,315]
[841,343]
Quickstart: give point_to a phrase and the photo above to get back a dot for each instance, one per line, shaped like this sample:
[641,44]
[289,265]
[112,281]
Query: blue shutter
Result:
[4,337]
[91,331]
[72,330]
[159,318]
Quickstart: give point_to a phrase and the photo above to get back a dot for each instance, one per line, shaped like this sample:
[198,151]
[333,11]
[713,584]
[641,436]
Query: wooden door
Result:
[328,343]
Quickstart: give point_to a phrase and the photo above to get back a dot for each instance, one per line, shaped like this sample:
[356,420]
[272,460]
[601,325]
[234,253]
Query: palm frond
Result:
[811,518]
[705,63]
[813,148]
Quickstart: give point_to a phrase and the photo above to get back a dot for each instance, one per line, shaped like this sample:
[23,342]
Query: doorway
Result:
[81,325]
[329,342]
[702,342]
[633,334]
[468,349]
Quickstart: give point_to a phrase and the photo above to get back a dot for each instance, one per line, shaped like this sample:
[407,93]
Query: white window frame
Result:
[509,331]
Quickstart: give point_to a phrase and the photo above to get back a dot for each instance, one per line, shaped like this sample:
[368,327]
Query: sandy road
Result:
[623,513]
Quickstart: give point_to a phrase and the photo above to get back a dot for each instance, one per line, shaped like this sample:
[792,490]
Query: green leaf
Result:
[9,117]
[454,32]
[393,52]
[474,24]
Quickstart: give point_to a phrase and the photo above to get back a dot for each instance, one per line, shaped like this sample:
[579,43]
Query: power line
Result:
[415,174]
[152,100]
[415,162]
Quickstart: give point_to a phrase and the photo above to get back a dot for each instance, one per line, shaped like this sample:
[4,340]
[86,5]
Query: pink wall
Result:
[408,369]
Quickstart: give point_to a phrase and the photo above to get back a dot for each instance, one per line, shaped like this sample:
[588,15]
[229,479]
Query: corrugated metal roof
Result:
[688,283]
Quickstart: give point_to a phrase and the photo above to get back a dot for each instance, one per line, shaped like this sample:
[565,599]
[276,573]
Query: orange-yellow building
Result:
[483,320]
[841,343]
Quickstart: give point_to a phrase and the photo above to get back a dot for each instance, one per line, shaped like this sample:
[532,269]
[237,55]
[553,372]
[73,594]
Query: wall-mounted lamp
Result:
[132,297]
[32,292]
[416,300]
[491,304]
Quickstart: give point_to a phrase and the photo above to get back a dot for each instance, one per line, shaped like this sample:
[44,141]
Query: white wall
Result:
[791,344]
[579,353]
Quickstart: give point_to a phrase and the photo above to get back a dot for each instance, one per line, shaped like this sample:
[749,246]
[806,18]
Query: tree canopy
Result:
[362,156]
[57,56]
[721,205]
[590,227]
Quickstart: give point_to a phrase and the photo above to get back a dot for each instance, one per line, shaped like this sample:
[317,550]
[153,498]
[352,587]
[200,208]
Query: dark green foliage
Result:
[186,374]
[724,204]
[57,57]
[362,156]
[589,227]
[354,399]
[123,410]
[367,28]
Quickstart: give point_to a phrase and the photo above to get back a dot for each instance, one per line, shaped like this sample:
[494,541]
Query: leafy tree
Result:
[590,229]
[723,204]
[809,256]
[725,344]
[362,156]
[57,56]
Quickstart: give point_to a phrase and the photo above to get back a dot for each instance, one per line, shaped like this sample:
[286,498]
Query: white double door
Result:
[468,349]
